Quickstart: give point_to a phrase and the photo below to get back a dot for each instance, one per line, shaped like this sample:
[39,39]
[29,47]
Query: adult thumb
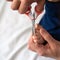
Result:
[40,6]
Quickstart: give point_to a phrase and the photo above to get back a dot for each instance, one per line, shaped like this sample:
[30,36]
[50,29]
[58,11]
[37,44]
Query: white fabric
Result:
[15,30]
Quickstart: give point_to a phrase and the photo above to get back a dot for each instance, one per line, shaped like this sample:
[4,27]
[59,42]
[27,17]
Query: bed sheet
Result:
[15,30]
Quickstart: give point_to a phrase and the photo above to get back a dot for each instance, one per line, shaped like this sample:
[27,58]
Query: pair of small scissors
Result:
[33,15]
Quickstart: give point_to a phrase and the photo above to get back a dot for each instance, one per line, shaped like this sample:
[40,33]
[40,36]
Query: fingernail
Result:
[35,41]
[36,26]
[33,37]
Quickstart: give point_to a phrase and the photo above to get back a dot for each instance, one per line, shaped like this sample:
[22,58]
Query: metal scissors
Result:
[33,24]
[33,15]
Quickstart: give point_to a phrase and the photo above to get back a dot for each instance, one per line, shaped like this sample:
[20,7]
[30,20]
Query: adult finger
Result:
[31,44]
[47,37]
[38,35]
[24,6]
[41,50]
[40,6]
[37,27]
[15,4]
[44,50]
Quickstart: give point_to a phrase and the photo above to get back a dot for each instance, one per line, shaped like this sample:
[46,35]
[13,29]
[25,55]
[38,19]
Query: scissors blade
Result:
[33,24]
[33,27]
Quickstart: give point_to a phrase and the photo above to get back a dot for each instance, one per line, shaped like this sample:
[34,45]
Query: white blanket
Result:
[15,30]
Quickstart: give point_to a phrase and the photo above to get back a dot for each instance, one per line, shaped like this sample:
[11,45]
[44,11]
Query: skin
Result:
[23,5]
[51,49]
[54,0]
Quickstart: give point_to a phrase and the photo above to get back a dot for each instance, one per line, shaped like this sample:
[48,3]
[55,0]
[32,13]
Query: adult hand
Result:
[23,5]
[51,49]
